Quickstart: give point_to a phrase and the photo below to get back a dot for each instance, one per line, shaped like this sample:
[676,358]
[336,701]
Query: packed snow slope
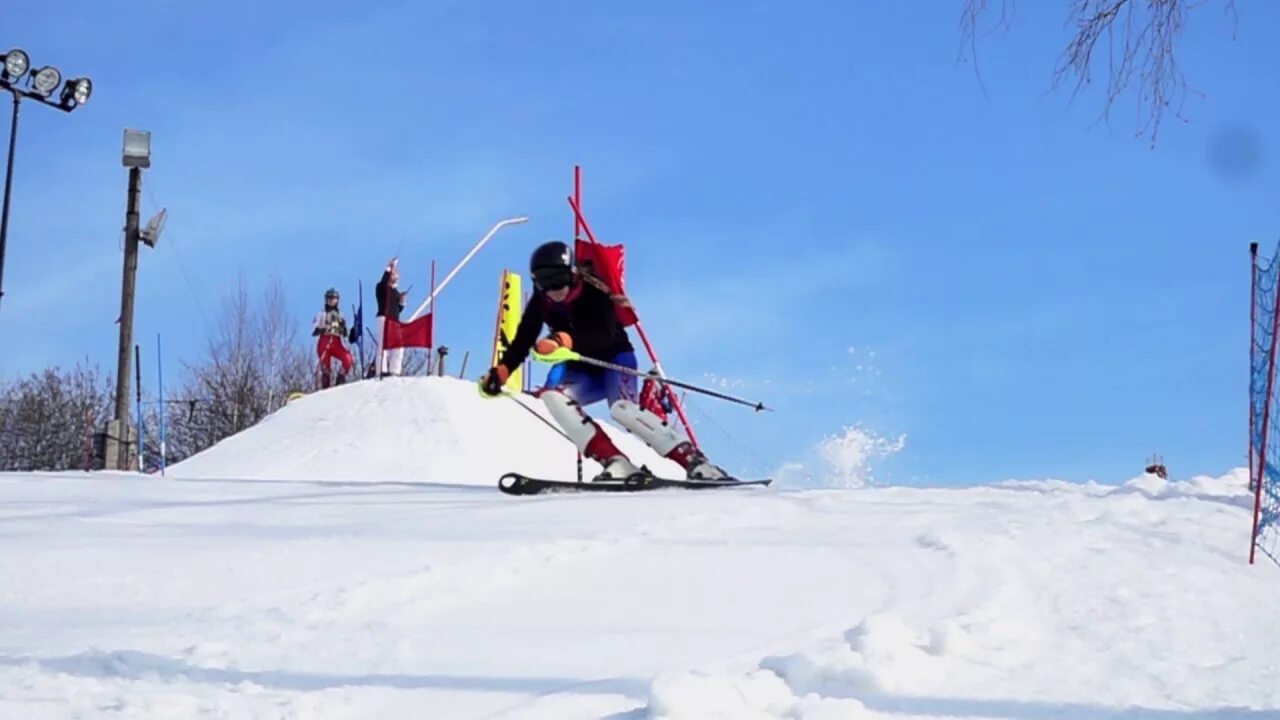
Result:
[337,596]
[416,429]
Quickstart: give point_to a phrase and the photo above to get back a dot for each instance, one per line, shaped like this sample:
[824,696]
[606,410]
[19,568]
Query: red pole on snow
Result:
[1253,339]
[577,236]
[435,310]
[644,338]
[577,198]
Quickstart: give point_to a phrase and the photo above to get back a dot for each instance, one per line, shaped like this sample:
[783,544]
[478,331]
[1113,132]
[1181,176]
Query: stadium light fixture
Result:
[137,148]
[46,80]
[16,64]
[76,92]
[42,85]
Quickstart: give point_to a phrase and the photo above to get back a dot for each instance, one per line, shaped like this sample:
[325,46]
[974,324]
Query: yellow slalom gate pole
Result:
[508,320]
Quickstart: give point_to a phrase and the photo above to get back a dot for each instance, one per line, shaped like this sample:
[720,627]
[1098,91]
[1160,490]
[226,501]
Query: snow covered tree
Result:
[1141,39]
[48,419]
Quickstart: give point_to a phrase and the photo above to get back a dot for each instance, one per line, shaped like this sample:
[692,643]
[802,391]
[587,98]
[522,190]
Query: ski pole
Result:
[515,397]
[564,354]
[534,413]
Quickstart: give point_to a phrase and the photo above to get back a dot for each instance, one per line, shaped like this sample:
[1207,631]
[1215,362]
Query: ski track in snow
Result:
[1073,626]
[394,601]
[310,595]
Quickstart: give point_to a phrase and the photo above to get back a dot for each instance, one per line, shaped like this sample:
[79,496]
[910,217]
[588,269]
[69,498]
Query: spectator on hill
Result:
[390,304]
[330,329]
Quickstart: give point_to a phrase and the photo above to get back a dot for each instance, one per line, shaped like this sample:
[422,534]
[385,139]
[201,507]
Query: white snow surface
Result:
[329,591]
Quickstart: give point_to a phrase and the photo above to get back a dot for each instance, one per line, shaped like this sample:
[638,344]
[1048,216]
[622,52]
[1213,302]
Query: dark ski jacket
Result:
[588,315]
[382,291]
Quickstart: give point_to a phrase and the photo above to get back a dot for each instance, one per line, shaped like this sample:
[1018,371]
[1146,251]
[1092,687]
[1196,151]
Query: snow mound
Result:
[416,429]
[1231,488]
[1233,485]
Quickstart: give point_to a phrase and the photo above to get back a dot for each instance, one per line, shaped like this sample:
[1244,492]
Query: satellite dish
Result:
[151,233]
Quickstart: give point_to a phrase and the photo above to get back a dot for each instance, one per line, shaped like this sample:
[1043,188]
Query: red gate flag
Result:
[416,333]
[607,263]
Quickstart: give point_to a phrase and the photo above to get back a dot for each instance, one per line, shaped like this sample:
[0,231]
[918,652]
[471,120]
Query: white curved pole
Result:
[492,231]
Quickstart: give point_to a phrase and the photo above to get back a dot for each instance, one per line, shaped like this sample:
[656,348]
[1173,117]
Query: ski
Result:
[518,484]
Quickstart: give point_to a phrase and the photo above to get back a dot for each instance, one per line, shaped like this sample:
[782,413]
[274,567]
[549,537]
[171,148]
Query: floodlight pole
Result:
[8,185]
[122,425]
[74,93]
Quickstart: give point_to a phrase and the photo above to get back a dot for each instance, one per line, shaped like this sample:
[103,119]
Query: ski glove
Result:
[553,342]
[491,384]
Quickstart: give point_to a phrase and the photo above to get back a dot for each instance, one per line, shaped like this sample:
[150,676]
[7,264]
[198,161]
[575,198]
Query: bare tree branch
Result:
[1141,37]
[973,12]
[49,420]
[286,364]
[415,361]
[253,362]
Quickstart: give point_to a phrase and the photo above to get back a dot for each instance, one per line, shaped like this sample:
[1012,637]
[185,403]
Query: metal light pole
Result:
[14,67]
[8,184]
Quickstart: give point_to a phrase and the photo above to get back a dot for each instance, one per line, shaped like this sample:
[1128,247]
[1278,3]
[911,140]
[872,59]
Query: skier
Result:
[390,304]
[331,329]
[579,311]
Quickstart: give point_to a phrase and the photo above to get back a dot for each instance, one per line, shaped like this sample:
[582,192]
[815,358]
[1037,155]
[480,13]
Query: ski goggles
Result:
[551,280]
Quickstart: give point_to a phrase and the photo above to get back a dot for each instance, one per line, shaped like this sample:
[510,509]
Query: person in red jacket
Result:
[330,330]
[581,315]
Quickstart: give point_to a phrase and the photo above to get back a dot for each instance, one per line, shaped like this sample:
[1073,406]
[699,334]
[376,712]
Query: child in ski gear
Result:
[331,329]
[581,315]
[390,304]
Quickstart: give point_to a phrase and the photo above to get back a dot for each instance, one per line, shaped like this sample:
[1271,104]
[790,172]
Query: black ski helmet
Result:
[551,265]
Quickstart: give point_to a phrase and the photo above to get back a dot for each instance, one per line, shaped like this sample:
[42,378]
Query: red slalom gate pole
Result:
[1253,340]
[644,338]
[577,198]
[436,311]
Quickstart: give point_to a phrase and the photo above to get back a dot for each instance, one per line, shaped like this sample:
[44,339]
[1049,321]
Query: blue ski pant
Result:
[587,384]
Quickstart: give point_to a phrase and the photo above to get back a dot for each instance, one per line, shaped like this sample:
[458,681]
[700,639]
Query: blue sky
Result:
[822,208]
